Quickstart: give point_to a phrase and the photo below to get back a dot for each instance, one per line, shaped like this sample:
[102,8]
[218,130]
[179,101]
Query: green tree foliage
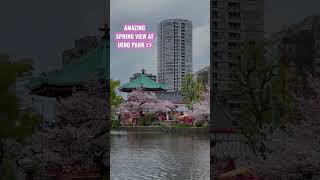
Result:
[16,124]
[191,91]
[7,171]
[115,99]
[283,100]
[146,120]
[252,80]
[266,90]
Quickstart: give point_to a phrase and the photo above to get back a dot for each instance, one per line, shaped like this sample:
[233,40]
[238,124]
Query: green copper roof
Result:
[144,82]
[92,64]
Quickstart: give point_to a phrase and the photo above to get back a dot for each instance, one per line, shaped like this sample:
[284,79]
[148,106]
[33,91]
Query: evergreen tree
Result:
[16,124]
[191,91]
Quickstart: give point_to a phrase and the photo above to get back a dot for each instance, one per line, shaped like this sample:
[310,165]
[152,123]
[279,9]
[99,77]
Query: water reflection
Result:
[146,155]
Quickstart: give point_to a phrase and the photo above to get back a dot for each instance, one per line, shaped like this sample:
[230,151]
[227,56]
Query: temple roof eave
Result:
[144,89]
[143,82]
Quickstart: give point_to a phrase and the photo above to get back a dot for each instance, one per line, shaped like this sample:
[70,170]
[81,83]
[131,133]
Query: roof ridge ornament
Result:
[106,30]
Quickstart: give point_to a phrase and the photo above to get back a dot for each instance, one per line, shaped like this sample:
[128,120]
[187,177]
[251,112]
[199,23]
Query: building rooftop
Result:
[143,82]
[169,20]
[203,70]
[78,73]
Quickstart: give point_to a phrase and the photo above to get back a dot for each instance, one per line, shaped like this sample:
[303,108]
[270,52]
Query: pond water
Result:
[167,156]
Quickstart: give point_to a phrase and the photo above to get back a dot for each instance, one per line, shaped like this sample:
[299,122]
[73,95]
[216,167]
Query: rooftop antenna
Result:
[105,12]
[105,27]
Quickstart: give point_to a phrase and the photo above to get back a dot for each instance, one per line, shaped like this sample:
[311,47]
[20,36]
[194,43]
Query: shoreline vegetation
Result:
[177,129]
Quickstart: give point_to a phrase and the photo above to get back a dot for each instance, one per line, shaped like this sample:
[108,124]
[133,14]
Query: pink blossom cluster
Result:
[201,110]
[146,101]
[79,135]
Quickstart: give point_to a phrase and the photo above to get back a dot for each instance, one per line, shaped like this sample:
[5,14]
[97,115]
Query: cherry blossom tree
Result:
[79,136]
[145,101]
[296,150]
[201,110]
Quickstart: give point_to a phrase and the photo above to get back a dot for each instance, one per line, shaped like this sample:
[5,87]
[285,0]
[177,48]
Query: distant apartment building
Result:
[82,47]
[203,76]
[232,22]
[136,75]
[174,52]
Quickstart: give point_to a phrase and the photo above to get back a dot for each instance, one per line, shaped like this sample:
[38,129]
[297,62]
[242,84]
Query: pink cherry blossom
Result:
[145,101]
[201,110]
[79,135]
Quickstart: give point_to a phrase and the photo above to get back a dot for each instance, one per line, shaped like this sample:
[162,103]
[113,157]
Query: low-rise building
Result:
[82,47]
[136,75]
[203,76]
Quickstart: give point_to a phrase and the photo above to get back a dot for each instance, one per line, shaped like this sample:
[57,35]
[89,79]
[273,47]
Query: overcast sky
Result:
[42,29]
[125,62]
[281,13]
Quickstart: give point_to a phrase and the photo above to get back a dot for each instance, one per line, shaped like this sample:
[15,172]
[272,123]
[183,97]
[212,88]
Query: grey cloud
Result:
[152,12]
[42,29]
[280,13]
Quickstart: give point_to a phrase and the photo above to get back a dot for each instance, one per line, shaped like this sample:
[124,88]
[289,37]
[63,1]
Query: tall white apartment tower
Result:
[232,22]
[174,52]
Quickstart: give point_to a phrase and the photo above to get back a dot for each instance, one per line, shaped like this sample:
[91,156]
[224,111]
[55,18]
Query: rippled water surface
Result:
[167,156]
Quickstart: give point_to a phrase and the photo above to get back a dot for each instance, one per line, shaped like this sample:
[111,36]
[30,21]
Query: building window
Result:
[214,4]
[234,56]
[215,44]
[234,5]
[215,14]
[254,28]
[215,65]
[234,15]
[232,65]
[234,26]
[215,25]
[215,35]
[233,45]
[214,76]
[234,36]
